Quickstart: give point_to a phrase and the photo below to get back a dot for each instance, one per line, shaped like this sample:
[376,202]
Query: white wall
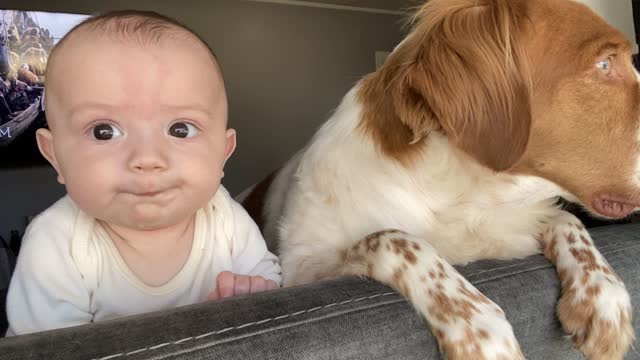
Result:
[618,13]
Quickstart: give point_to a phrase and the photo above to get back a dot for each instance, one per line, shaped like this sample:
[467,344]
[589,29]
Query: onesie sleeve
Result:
[47,290]
[250,255]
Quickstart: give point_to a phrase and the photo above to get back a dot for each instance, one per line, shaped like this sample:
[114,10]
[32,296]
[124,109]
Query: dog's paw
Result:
[596,312]
[488,336]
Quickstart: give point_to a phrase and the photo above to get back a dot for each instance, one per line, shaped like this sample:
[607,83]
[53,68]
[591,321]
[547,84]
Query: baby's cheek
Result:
[202,185]
[90,191]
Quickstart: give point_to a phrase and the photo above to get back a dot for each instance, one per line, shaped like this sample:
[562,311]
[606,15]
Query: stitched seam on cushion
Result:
[253,323]
[201,336]
[482,281]
[281,327]
[545,266]
[537,261]
[284,326]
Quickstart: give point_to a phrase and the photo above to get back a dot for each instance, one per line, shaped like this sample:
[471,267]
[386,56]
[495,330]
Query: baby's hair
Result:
[142,27]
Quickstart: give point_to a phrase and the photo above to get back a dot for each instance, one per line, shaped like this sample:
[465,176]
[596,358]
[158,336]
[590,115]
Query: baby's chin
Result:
[151,220]
[148,226]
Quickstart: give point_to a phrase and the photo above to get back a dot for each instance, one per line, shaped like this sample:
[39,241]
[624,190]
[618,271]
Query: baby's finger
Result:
[225,282]
[214,295]
[271,285]
[242,285]
[258,284]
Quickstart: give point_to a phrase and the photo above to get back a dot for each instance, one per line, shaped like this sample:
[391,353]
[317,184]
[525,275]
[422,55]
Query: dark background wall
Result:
[286,66]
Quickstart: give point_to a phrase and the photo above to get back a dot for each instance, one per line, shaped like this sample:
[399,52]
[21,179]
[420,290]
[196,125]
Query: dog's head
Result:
[539,87]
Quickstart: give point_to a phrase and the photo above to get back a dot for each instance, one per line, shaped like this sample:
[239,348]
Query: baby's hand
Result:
[229,284]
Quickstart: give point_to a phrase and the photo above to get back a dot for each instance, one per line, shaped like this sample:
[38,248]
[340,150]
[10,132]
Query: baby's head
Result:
[137,116]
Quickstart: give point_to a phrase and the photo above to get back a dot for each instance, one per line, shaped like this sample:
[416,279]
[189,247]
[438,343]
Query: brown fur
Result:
[584,123]
[573,315]
[462,72]
[485,73]
[401,246]
[514,85]
[594,336]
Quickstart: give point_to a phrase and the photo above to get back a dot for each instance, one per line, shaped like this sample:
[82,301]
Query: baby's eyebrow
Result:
[77,114]
[191,108]
[89,106]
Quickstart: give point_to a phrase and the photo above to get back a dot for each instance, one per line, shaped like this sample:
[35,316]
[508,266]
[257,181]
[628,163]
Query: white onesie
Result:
[69,272]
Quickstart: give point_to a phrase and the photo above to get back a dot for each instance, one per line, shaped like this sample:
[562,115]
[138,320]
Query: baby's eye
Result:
[106,131]
[183,130]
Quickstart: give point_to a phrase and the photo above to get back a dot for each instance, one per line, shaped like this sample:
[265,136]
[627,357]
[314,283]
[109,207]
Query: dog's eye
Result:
[604,65]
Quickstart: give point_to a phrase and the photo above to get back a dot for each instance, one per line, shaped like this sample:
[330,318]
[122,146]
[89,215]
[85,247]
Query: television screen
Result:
[26,38]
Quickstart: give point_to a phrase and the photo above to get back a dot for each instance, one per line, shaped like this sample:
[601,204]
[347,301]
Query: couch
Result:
[346,318]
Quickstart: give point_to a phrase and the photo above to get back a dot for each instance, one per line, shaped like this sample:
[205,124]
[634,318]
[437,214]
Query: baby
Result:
[137,116]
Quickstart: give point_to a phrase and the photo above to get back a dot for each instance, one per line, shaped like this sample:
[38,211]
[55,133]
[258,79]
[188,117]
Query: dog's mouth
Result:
[614,207]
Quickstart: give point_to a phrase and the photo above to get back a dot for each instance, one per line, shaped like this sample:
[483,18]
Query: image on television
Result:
[26,39]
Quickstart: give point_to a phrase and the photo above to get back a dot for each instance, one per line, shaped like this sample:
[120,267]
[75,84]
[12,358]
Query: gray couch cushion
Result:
[344,318]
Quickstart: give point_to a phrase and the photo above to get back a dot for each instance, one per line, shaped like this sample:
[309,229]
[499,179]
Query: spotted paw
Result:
[596,312]
[487,336]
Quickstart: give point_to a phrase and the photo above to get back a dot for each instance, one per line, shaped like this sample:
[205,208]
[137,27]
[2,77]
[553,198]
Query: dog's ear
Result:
[409,102]
[463,67]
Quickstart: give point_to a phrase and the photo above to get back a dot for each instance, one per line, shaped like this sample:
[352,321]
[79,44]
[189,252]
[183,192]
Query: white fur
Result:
[455,327]
[613,297]
[341,188]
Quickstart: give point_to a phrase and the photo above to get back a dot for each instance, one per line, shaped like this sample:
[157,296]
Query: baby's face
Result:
[139,132]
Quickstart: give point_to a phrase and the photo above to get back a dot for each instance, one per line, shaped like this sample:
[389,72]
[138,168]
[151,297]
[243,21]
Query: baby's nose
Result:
[148,158]
[148,165]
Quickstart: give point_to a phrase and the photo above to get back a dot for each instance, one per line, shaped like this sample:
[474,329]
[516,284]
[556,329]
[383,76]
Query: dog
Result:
[457,149]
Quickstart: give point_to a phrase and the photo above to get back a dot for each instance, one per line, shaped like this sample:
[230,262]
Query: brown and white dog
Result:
[485,114]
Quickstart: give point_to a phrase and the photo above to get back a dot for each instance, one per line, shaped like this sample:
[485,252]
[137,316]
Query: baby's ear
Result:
[45,145]
[231,143]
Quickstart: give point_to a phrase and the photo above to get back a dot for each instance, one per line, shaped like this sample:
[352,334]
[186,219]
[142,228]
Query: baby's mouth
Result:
[149,193]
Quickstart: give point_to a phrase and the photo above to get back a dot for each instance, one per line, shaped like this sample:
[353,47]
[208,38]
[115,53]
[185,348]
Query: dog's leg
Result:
[594,307]
[466,324]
